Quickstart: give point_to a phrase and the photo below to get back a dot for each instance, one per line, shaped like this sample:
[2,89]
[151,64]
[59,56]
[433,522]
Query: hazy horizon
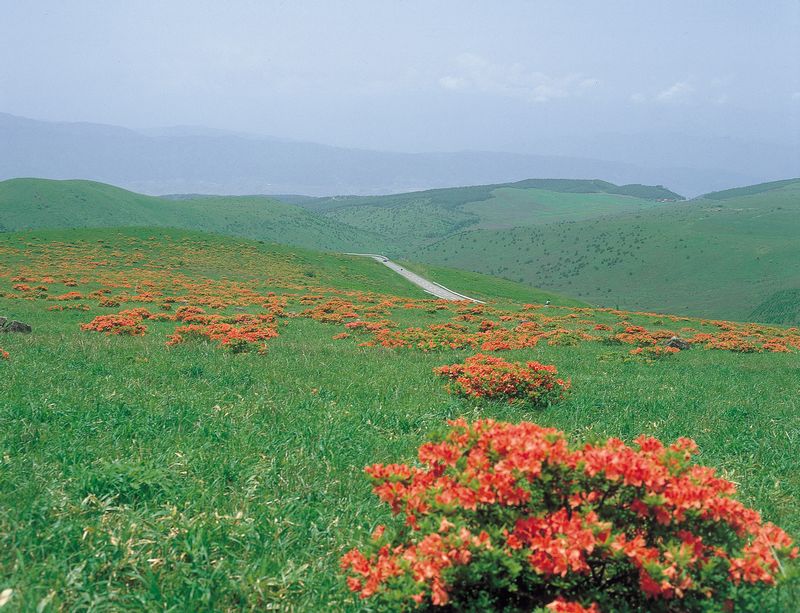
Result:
[704,86]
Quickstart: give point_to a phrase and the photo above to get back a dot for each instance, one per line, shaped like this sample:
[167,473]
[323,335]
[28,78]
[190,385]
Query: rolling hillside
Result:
[41,203]
[722,255]
[419,218]
[729,254]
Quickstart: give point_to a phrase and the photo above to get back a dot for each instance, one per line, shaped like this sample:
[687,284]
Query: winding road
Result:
[440,291]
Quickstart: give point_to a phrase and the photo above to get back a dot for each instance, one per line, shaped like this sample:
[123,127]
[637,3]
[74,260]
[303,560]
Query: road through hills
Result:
[440,291]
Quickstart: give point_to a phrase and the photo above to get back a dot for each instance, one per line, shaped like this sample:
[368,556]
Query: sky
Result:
[556,76]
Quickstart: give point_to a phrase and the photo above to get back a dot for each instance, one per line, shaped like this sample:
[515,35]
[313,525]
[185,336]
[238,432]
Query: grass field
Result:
[485,287]
[140,476]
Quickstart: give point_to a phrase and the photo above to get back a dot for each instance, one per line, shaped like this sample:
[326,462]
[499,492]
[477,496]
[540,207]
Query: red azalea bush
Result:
[653,353]
[236,339]
[122,324]
[485,376]
[513,516]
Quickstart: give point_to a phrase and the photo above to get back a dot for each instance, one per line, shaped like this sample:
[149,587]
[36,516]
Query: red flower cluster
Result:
[4,355]
[485,376]
[512,514]
[128,325]
[650,353]
[638,335]
[236,339]
[69,296]
[237,333]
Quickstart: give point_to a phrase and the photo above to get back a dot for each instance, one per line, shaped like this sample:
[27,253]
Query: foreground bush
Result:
[512,516]
[485,376]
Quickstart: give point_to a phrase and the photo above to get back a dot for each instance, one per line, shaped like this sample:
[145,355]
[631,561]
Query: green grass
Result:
[133,476]
[782,307]
[41,203]
[488,288]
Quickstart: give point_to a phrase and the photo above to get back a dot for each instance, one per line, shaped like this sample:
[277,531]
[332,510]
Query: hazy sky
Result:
[408,74]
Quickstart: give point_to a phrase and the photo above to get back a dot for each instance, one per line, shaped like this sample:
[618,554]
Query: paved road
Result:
[440,291]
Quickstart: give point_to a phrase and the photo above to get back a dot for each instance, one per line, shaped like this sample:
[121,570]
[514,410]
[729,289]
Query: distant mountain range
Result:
[201,160]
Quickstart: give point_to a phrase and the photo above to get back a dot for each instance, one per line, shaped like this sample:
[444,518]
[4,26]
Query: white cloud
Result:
[452,82]
[513,80]
[638,98]
[795,96]
[677,91]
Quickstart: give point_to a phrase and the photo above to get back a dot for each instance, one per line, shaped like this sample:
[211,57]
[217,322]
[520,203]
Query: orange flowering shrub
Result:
[4,355]
[69,296]
[127,325]
[729,341]
[236,339]
[651,353]
[485,376]
[501,515]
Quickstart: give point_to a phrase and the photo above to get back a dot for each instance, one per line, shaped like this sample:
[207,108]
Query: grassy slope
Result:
[217,257]
[488,288]
[419,218]
[509,207]
[781,307]
[41,203]
[714,257]
[223,481]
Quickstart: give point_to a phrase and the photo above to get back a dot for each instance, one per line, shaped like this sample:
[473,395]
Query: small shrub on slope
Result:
[485,376]
[128,325]
[512,516]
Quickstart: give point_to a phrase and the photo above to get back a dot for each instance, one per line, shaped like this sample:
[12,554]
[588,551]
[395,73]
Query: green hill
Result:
[712,257]
[749,190]
[419,218]
[40,203]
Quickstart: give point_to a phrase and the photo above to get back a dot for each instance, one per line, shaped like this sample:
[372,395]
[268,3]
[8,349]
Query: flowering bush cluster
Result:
[119,324]
[236,339]
[238,333]
[132,273]
[4,355]
[651,353]
[513,515]
[485,376]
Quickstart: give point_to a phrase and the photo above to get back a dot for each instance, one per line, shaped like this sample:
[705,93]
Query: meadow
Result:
[208,452]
